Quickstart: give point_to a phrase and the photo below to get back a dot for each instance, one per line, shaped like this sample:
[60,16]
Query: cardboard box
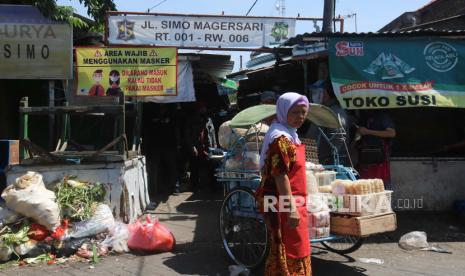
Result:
[9,153]
[368,204]
[363,226]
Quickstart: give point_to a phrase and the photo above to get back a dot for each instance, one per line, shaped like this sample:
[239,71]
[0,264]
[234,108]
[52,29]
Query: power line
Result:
[148,10]
[253,5]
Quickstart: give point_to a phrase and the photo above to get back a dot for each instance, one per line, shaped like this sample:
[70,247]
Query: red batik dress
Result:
[289,248]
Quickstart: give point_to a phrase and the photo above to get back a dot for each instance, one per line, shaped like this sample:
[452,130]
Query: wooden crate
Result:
[363,226]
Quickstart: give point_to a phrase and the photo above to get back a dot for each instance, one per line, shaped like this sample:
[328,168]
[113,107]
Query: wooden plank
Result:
[363,226]
[376,225]
[108,109]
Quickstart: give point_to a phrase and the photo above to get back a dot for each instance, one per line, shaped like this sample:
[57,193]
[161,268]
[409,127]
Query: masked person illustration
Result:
[114,89]
[97,89]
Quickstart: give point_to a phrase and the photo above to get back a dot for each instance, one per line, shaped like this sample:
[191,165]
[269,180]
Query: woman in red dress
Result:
[282,164]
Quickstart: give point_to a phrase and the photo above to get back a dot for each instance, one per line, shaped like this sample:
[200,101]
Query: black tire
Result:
[344,245]
[242,228]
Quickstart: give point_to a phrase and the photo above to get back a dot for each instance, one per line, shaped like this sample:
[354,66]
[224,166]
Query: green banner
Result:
[398,72]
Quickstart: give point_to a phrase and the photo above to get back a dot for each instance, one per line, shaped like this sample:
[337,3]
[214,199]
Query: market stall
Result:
[425,104]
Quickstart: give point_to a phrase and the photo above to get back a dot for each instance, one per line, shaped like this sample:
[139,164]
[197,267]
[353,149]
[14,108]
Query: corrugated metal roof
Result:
[319,36]
[427,5]
[24,14]
[216,65]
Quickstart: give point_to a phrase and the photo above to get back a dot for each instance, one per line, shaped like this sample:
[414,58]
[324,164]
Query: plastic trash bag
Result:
[5,252]
[24,248]
[151,236]
[38,249]
[87,250]
[413,240]
[69,247]
[228,136]
[371,261]
[101,221]
[38,232]
[252,160]
[118,237]
[237,270]
[436,249]
[29,197]
[8,216]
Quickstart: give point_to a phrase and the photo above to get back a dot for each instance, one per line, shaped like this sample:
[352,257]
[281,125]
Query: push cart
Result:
[242,228]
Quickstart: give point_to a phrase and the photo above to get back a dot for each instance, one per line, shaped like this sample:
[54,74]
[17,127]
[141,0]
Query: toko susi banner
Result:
[398,72]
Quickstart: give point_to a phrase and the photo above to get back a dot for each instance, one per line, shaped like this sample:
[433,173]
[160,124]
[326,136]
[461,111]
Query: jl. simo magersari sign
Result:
[198,30]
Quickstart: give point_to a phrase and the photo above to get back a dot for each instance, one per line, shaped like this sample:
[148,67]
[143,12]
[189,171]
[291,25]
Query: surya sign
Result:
[35,51]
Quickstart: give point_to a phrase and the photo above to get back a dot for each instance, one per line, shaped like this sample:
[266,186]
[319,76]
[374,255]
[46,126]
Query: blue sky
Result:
[371,14]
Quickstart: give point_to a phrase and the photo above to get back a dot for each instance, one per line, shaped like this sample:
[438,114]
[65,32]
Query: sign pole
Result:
[51,115]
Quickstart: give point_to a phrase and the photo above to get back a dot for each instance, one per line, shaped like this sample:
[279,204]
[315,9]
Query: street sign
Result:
[198,30]
[134,71]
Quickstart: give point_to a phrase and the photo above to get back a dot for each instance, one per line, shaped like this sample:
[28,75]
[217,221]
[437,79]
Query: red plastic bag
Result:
[61,230]
[38,232]
[151,236]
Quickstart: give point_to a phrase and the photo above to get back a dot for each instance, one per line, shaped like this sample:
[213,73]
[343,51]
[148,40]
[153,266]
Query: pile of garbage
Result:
[38,225]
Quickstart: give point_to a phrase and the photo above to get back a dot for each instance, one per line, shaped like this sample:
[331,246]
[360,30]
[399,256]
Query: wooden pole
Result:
[23,128]
[51,116]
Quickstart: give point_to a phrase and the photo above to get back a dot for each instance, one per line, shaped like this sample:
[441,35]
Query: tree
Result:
[95,8]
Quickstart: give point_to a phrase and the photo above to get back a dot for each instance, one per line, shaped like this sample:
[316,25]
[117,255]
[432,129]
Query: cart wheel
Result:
[242,228]
[344,245]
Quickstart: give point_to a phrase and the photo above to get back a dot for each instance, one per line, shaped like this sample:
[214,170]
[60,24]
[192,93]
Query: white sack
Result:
[29,197]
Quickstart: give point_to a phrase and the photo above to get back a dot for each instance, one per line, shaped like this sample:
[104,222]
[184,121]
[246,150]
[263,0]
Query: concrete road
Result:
[194,221]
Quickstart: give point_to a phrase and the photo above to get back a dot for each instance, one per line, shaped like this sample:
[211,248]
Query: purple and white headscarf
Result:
[279,126]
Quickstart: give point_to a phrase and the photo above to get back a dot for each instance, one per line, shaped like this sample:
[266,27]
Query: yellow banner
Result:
[135,71]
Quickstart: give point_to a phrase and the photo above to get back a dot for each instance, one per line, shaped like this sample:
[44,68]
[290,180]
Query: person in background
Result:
[268,97]
[164,147]
[376,130]
[200,142]
[282,163]
[323,93]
